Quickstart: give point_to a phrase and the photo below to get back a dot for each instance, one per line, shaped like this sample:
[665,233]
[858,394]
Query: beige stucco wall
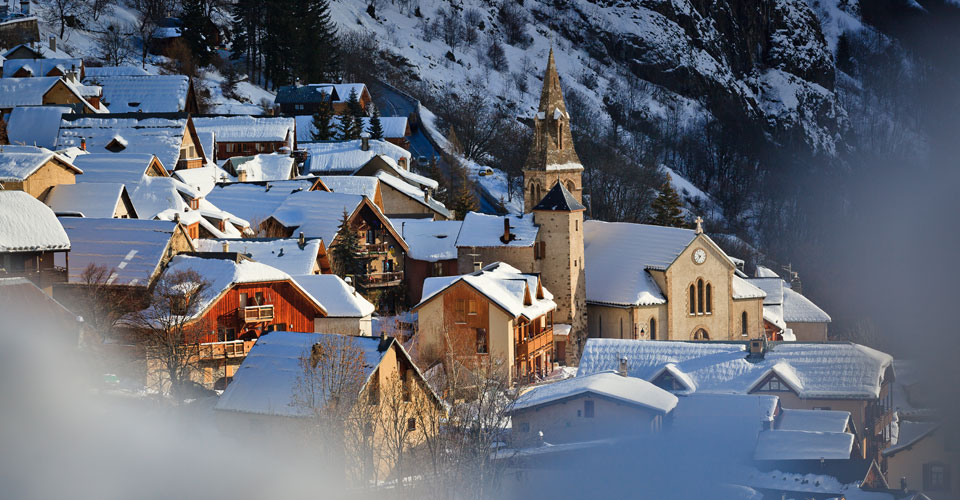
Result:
[908,463]
[606,321]
[347,326]
[754,310]
[684,272]
[561,423]
[809,332]
[39,183]
[562,268]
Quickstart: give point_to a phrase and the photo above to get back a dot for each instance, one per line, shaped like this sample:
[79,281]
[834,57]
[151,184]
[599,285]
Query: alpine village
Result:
[459,249]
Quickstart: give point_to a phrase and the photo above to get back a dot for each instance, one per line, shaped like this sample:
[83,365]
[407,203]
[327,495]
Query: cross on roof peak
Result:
[699,221]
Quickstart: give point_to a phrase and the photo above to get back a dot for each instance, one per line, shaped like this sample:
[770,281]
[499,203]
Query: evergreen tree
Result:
[195,24]
[464,200]
[319,50]
[353,105]
[376,128]
[348,129]
[346,253]
[667,207]
[321,124]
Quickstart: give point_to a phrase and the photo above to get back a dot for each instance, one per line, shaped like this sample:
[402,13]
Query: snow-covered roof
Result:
[482,230]
[27,225]
[765,272]
[98,71]
[618,255]
[394,127]
[813,420]
[743,289]
[318,92]
[413,192]
[347,156]
[40,67]
[628,390]
[803,445]
[247,128]
[19,162]
[126,168]
[822,370]
[235,197]
[694,409]
[268,379]
[132,249]
[30,91]
[158,136]
[799,309]
[909,433]
[338,298]
[146,93]
[284,254]
[89,199]
[316,213]
[363,185]
[429,240]
[35,125]
[222,274]
[37,48]
[503,284]
[264,167]
[393,168]
[559,199]
[772,287]
[203,179]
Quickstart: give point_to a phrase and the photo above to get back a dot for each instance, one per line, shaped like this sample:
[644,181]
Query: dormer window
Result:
[773,384]
[194,203]
[116,145]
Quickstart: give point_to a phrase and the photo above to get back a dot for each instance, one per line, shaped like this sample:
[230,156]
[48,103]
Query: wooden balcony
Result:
[255,314]
[376,280]
[185,163]
[43,278]
[224,350]
[535,344]
[373,249]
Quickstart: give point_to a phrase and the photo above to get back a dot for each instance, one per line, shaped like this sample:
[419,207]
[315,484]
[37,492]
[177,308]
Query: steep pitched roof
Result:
[558,199]
[35,125]
[160,134]
[482,230]
[629,390]
[347,157]
[40,67]
[799,309]
[146,93]
[823,370]
[338,298]
[284,254]
[27,225]
[89,199]
[503,284]
[235,197]
[429,240]
[552,148]
[30,91]
[316,93]
[126,168]
[17,163]
[248,128]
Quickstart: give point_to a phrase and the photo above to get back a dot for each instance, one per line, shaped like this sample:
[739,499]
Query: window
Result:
[936,477]
[588,409]
[373,392]
[481,341]
[709,299]
[228,147]
[460,306]
[226,335]
[259,298]
[298,107]
[774,384]
[472,309]
[653,329]
[277,327]
[693,300]
[576,225]
[438,269]
[668,382]
[701,334]
[743,323]
[525,427]
[411,424]
[243,300]
[699,296]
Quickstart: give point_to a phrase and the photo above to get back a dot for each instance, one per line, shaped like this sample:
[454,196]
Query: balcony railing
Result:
[229,349]
[383,279]
[535,343]
[373,249]
[254,314]
[42,278]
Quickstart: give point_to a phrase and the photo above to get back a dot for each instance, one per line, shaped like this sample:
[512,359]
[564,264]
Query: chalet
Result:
[91,199]
[268,392]
[397,168]
[924,458]
[348,313]
[35,125]
[804,375]
[319,214]
[171,137]
[347,157]
[433,252]
[27,68]
[134,251]
[395,197]
[602,405]
[396,129]
[248,135]
[146,93]
[261,167]
[34,171]
[126,168]
[48,91]
[246,300]
[36,50]
[294,256]
[33,244]
[308,99]
[495,313]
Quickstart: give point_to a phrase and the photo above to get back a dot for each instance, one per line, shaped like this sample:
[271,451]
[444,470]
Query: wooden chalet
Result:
[33,244]
[309,99]
[433,252]
[28,68]
[48,91]
[248,135]
[34,170]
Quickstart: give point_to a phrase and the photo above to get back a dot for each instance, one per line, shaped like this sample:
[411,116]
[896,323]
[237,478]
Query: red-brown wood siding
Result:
[290,308]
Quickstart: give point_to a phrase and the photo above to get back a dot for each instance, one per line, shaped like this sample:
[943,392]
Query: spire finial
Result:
[699,221]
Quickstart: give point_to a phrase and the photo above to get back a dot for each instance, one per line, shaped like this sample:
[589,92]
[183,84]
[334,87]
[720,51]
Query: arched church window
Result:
[693,300]
[743,323]
[653,329]
[699,296]
[701,334]
[709,304]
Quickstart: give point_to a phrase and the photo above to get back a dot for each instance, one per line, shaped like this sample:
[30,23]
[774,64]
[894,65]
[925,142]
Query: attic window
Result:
[135,104]
[116,145]
[668,382]
[773,384]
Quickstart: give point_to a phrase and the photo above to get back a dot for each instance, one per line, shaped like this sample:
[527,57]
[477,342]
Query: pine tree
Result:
[346,253]
[195,24]
[667,207]
[319,50]
[376,128]
[321,124]
[353,105]
[347,128]
[464,200]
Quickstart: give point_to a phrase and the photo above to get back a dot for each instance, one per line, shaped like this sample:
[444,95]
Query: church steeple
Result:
[552,157]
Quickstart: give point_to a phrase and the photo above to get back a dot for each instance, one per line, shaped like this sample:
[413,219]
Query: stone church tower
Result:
[560,217]
[552,158]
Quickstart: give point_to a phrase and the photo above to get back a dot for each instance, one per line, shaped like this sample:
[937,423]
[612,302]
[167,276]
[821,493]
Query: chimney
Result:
[506,231]
[758,347]
[795,284]
[477,266]
[226,247]
[241,175]
[25,8]
[83,144]
[365,141]
[301,241]
[622,369]
[426,196]
[176,217]
[384,341]
[53,43]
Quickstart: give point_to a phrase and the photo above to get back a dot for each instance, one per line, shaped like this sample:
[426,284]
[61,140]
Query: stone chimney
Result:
[365,141]
[226,247]
[795,283]
[758,348]
[623,367]
[301,241]
[507,236]
[53,43]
